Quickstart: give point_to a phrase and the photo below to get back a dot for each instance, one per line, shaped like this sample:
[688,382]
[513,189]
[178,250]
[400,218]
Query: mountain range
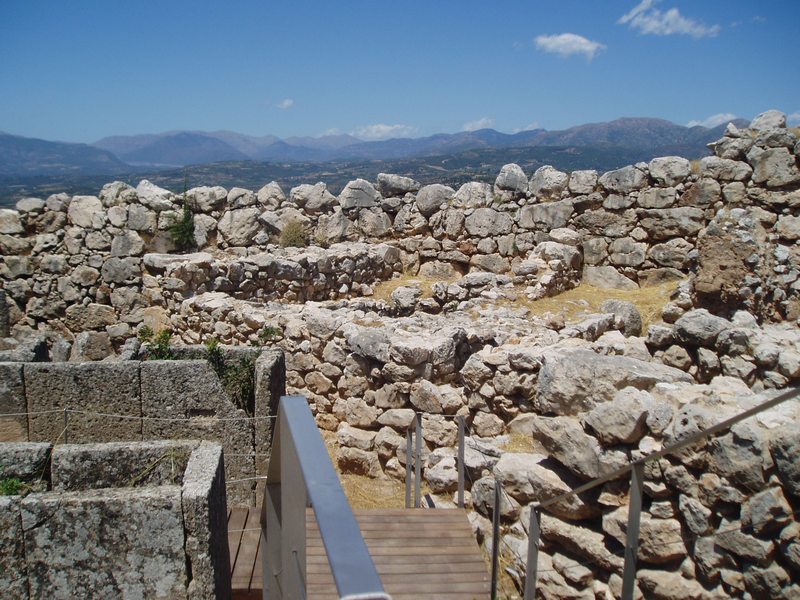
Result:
[38,167]
[180,148]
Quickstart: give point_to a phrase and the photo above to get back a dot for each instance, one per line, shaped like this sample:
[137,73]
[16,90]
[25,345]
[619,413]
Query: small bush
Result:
[182,231]
[215,358]
[10,486]
[293,235]
[697,166]
[269,333]
[157,343]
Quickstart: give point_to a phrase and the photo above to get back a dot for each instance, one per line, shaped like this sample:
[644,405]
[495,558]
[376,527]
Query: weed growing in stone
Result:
[157,343]
[10,486]
[215,357]
[269,334]
[293,235]
[237,377]
[182,231]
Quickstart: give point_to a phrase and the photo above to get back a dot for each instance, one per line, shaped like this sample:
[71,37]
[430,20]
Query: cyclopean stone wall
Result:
[731,218]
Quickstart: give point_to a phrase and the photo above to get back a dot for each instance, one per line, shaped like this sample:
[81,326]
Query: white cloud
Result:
[650,20]
[381,131]
[528,127]
[567,44]
[713,120]
[285,103]
[793,120]
[331,131]
[483,123]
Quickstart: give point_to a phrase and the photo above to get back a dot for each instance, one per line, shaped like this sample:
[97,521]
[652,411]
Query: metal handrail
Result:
[636,468]
[301,474]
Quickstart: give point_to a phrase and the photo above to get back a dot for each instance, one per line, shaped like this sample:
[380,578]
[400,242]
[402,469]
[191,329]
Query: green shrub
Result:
[182,231]
[269,333]
[10,486]
[293,235]
[157,343]
[215,357]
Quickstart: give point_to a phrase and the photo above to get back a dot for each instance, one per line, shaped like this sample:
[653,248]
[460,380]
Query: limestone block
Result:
[93,387]
[25,460]
[13,569]
[107,543]
[79,467]
[12,400]
[205,519]
[195,396]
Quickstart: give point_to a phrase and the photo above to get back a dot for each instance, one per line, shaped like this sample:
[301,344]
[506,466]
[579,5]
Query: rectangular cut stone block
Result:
[190,390]
[25,460]
[94,387]
[13,573]
[120,464]
[205,518]
[270,386]
[12,400]
[110,543]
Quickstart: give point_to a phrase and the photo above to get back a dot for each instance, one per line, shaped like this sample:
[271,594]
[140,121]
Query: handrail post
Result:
[632,540]
[408,466]
[534,533]
[495,537]
[418,463]
[460,461]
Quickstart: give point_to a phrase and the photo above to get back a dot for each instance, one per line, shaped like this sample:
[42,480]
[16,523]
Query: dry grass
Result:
[366,492]
[521,443]
[696,166]
[383,291]
[795,130]
[586,299]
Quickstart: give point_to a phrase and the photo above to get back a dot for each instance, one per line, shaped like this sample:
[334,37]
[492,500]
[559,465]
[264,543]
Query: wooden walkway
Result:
[418,553]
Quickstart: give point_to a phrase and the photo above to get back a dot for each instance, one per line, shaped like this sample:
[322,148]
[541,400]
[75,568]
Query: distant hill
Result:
[185,148]
[21,156]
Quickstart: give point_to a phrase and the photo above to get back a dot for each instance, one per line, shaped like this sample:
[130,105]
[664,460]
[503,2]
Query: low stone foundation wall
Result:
[144,400]
[146,519]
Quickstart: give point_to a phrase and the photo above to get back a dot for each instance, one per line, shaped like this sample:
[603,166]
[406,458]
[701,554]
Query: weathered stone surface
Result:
[206,199]
[565,441]
[528,480]
[91,345]
[547,182]
[205,520]
[660,540]
[774,167]
[580,541]
[512,179]
[724,169]
[239,226]
[430,198]
[84,211]
[622,420]
[94,387]
[664,585]
[443,476]
[360,462]
[769,119]
[582,182]
[607,277]
[12,401]
[665,223]
[425,396]
[624,180]
[487,222]
[359,194]
[91,316]
[10,223]
[13,567]
[626,314]
[700,328]
[62,559]
[396,185]
[785,449]
[547,216]
[732,539]
[669,170]
[81,467]
[562,389]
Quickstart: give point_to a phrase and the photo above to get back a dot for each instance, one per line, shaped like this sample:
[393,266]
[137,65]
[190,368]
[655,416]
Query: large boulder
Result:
[700,328]
[576,380]
[512,179]
[396,185]
[430,198]
[359,194]
[624,180]
[487,222]
[669,170]
[548,183]
[238,227]
[316,198]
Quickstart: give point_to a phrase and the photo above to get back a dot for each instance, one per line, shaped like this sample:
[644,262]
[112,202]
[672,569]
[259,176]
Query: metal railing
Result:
[414,460]
[300,474]
[636,469]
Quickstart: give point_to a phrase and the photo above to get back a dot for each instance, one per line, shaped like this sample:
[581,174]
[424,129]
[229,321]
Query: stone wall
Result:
[146,519]
[143,400]
[642,224]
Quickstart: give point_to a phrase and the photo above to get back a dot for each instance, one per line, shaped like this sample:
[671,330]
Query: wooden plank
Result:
[236,520]
[243,570]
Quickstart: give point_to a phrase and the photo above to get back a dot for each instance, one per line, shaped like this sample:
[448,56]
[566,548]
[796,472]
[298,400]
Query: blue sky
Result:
[81,70]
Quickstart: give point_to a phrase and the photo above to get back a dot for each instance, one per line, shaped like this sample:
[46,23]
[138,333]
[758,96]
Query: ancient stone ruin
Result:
[395,299]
